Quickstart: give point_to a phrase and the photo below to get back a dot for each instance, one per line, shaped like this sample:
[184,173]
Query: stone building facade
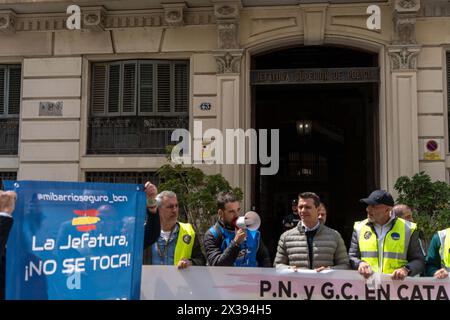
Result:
[215,42]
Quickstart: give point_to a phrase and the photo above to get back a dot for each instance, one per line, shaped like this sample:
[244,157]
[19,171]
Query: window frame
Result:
[6,90]
[137,88]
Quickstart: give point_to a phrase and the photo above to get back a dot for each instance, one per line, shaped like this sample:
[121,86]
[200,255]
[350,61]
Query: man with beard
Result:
[384,243]
[227,245]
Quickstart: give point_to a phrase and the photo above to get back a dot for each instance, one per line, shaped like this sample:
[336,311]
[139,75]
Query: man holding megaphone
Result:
[235,240]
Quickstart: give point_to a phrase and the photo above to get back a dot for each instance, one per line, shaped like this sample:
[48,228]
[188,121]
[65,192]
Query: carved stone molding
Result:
[227,10]
[174,14]
[403,58]
[405,14]
[407,5]
[227,17]
[111,19]
[94,18]
[405,29]
[228,61]
[228,35]
[7,21]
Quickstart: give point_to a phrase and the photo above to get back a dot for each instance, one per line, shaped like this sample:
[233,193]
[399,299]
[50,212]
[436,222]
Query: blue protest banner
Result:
[75,241]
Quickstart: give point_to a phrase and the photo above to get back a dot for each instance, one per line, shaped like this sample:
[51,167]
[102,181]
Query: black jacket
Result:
[216,257]
[5,227]
[152,229]
[416,260]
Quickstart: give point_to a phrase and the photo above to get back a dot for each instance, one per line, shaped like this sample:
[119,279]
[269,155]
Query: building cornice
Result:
[98,18]
[434,8]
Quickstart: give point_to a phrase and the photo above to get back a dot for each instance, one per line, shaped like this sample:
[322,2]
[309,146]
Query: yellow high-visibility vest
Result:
[185,242]
[395,245]
[444,236]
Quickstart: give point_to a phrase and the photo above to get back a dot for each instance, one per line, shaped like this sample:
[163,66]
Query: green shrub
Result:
[429,200]
[196,193]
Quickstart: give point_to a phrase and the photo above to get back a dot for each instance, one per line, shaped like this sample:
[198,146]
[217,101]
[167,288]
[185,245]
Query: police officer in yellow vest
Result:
[384,243]
[438,258]
[177,244]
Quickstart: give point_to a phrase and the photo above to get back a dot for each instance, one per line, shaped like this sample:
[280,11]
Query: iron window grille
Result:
[137,177]
[7,176]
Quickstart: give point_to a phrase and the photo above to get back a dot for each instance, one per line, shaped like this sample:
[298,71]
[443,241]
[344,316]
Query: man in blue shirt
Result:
[177,243]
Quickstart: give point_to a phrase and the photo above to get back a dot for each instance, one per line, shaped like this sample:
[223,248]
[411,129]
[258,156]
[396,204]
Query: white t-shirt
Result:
[166,234]
[5,214]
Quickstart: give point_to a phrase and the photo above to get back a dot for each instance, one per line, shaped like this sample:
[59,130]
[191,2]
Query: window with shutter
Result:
[10,88]
[99,77]
[136,105]
[2,90]
[14,81]
[114,89]
[181,88]
[163,76]
[146,88]
[129,89]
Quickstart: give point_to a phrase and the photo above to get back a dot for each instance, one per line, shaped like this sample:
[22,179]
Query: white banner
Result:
[230,283]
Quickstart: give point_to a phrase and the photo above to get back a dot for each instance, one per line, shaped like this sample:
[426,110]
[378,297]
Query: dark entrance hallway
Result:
[328,138]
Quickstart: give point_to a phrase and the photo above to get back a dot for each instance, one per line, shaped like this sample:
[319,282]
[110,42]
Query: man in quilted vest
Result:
[384,243]
[311,244]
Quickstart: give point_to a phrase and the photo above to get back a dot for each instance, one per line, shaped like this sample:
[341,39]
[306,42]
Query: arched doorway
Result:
[324,101]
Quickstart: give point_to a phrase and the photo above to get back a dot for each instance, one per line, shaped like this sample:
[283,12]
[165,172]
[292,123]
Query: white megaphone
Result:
[250,221]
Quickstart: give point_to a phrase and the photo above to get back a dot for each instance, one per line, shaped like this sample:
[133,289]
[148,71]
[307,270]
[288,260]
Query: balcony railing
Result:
[9,136]
[132,135]
[137,177]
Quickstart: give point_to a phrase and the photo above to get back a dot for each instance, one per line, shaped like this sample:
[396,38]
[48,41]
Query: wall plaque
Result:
[51,108]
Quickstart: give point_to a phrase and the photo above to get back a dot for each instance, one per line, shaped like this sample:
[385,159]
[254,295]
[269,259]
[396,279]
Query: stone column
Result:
[402,122]
[228,58]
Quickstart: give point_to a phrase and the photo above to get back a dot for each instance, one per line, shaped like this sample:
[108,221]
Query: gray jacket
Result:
[328,249]
[416,260]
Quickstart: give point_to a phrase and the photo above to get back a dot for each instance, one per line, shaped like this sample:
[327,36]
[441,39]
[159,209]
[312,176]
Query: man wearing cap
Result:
[292,219]
[384,243]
